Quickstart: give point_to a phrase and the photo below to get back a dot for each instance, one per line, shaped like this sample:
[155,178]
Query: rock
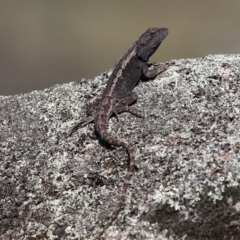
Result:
[186,185]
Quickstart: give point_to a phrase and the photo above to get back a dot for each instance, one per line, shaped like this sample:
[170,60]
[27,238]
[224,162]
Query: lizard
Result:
[118,97]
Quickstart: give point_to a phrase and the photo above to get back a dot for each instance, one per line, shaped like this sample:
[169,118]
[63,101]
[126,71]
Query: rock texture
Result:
[187,182]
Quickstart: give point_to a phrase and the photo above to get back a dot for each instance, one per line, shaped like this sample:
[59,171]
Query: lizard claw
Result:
[116,114]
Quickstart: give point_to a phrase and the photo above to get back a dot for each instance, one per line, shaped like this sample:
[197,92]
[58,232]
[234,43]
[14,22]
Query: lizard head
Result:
[149,42]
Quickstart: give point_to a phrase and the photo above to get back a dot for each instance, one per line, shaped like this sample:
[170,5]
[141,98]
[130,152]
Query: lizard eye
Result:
[152,33]
[142,45]
[115,101]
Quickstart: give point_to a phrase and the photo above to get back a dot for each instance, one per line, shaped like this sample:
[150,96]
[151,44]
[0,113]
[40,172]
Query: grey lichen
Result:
[186,185]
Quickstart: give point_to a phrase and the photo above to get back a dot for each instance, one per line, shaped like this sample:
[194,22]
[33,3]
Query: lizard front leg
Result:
[153,72]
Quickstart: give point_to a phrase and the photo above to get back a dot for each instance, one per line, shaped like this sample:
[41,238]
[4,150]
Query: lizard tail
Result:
[117,142]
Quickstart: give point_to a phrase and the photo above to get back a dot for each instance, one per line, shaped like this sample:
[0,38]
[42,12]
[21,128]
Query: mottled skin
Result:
[118,96]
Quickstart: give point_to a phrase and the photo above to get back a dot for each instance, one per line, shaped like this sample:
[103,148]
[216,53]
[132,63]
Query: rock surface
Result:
[187,149]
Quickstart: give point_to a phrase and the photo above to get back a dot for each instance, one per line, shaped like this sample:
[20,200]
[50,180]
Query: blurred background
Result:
[47,42]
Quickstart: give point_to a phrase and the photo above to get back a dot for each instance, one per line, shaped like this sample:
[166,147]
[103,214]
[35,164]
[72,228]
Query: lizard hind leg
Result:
[81,122]
[125,105]
[133,110]
[91,112]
